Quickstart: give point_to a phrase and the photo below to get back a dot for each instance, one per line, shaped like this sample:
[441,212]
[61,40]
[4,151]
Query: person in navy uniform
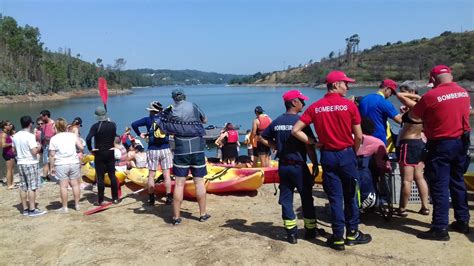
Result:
[292,167]
[444,111]
[336,119]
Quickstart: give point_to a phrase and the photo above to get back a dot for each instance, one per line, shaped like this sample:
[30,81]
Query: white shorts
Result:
[162,157]
[68,171]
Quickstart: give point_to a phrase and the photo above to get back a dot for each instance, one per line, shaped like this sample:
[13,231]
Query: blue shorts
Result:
[196,162]
[45,154]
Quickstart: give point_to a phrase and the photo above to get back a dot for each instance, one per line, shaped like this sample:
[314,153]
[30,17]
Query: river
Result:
[220,103]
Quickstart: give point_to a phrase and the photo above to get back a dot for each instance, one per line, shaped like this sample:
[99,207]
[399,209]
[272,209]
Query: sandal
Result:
[424,211]
[204,218]
[12,187]
[401,213]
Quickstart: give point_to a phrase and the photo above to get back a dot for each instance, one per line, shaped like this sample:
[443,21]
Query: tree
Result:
[119,64]
[352,46]
[331,55]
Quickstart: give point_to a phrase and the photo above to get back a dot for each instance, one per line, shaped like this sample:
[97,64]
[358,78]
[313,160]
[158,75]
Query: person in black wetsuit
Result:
[103,132]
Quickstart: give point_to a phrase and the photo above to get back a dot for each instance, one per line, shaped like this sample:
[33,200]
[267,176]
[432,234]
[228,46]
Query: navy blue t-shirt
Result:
[159,144]
[288,147]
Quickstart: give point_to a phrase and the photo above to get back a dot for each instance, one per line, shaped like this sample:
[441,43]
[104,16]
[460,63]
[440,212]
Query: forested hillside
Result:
[159,77]
[27,67]
[399,61]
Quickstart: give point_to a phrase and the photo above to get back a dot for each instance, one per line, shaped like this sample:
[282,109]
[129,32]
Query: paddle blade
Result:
[98,209]
[103,90]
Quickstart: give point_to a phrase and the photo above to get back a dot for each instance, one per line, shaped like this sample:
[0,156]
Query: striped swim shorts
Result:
[29,176]
[163,157]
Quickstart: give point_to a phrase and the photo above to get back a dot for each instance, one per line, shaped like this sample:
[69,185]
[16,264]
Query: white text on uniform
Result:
[330,108]
[452,96]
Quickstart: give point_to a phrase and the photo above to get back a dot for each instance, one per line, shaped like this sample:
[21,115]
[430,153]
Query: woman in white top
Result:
[137,157]
[65,164]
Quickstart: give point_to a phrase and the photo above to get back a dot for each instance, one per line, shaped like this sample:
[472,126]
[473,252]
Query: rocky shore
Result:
[62,95]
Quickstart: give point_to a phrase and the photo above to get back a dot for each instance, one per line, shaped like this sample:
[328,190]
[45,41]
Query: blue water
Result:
[220,103]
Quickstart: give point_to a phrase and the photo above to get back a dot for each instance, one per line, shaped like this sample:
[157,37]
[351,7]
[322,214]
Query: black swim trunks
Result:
[410,151]
[262,149]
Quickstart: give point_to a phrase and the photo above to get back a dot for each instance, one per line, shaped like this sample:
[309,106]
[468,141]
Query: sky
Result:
[235,37]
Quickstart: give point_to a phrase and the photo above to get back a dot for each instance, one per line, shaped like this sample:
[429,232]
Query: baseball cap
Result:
[293,94]
[259,109]
[389,84]
[438,70]
[336,75]
[78,121]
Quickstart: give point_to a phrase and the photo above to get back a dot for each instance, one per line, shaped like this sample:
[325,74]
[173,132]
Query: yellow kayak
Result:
[87,158]
[139,176]
[88,171]
[469,180]
[223,180]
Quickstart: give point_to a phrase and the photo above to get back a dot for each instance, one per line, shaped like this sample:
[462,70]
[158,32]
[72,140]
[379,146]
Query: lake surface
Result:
[220,103]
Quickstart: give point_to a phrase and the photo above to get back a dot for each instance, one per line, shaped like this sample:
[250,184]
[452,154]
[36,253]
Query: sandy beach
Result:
[244,229]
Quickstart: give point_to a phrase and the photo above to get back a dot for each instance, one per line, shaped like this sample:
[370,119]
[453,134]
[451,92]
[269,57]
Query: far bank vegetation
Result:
[399,61]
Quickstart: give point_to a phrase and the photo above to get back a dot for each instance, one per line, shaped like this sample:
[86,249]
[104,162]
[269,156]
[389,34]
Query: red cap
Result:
[293,94]
[336,75]
[438,70]
[390,84]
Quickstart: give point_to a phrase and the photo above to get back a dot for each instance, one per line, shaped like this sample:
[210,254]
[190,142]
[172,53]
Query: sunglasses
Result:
[302,101]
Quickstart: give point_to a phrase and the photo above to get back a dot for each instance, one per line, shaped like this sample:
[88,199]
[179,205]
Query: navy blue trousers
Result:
[339,182]
[366,179]
[445,173]
[299,177]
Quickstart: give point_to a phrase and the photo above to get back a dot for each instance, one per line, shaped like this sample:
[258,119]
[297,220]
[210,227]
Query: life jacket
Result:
[173,126]
[232,136]
[47,132]
[264,122]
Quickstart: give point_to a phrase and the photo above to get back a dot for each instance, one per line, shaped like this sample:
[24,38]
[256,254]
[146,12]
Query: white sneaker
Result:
[36,212]
[62,211]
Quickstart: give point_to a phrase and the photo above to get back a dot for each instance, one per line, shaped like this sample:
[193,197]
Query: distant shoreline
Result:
[62,95]
[80,93]
[467,84]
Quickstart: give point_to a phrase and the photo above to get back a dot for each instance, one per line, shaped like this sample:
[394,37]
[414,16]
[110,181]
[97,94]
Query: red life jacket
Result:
[264,122]
[232,136]
[47,132]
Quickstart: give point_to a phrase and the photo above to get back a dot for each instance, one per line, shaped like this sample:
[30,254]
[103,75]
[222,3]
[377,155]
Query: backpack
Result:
[155,131]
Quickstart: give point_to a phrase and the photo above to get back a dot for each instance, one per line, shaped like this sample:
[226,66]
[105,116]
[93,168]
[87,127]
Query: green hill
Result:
[399,61]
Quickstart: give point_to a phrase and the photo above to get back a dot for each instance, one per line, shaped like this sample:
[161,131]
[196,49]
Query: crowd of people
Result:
[353,136]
